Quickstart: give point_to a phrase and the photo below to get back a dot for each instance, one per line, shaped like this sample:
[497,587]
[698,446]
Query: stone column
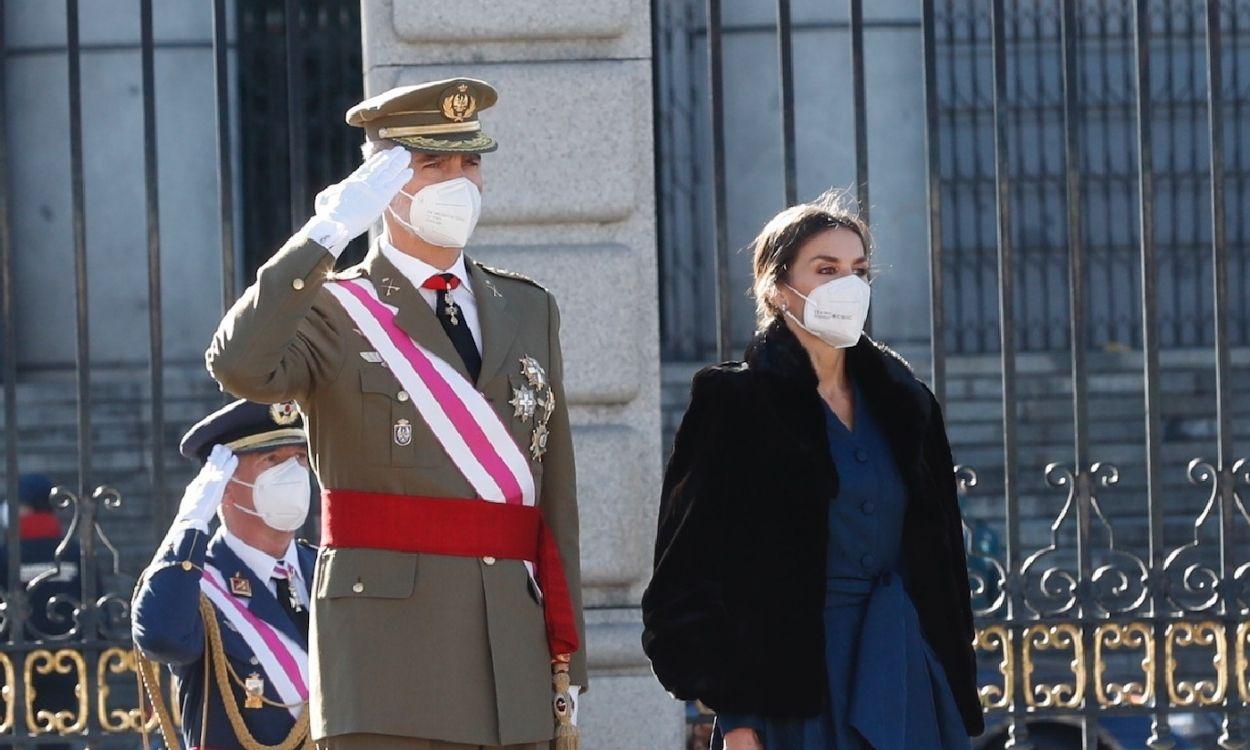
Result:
[569,200]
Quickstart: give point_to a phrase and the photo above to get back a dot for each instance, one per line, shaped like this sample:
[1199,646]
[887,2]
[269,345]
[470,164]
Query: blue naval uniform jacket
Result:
[167,627]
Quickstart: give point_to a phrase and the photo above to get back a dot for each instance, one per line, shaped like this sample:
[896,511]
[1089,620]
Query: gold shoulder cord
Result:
[215,660]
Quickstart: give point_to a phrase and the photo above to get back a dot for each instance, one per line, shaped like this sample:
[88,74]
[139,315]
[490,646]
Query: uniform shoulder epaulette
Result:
[351,272]
[506,274]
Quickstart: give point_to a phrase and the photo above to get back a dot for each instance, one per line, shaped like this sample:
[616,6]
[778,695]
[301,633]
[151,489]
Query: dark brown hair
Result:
[779,242]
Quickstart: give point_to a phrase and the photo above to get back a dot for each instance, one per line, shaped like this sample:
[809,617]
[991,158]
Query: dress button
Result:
[867,507]
[402,395]
[297,284]
[358,587]
[488,560]
[868,561]
[861,455]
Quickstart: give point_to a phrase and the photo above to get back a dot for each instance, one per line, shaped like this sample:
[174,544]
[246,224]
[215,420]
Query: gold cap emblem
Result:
[458,103]
[284,413]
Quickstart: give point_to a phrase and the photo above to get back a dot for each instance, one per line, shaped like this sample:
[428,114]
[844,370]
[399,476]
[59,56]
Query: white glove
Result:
[203,496]
[347,209]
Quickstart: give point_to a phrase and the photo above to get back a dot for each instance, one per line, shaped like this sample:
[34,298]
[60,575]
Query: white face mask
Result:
[835,311]
[444,213]
[280,495]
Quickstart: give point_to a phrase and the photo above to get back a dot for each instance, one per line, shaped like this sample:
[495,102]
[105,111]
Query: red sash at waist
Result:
[462,528]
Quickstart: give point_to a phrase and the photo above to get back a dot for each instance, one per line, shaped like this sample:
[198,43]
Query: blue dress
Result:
[887,689]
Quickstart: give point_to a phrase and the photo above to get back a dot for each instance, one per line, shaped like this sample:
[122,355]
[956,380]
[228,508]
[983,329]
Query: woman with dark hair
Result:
[810,584]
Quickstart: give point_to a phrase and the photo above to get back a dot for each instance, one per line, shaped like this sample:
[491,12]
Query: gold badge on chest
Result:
[534,400]
[240,586]
[254,687]
[403,432]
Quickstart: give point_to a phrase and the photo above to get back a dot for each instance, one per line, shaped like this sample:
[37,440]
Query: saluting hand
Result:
[203,496]
[356,202]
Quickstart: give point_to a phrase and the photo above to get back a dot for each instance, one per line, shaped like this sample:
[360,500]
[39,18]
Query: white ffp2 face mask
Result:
[835,311]
[445,213]
[280,495]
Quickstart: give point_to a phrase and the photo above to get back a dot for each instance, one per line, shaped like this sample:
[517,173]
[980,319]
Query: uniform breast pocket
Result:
[393,433]
[365,574]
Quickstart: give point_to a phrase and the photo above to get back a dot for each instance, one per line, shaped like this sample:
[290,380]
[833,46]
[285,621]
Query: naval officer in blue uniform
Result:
[228,611]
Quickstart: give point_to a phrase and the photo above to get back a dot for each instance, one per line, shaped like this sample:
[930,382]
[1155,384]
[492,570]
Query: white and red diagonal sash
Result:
[462,420]
[282,660]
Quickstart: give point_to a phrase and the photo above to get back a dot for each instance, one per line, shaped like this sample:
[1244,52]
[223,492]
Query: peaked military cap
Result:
[436,117]
[245,426]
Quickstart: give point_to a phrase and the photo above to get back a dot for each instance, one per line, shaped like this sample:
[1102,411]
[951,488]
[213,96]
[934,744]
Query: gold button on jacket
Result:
[422,646]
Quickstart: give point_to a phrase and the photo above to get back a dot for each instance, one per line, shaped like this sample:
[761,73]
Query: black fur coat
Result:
[733,613]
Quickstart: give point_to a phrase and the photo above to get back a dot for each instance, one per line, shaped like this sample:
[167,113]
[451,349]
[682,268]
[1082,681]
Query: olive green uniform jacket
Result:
[426,646]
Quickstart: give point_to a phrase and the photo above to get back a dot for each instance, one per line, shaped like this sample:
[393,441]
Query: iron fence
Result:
[692,194]
[66,665]
[1085,181]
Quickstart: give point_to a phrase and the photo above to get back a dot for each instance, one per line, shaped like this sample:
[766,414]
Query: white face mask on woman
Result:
[445,213]
[280,495]
[835,311]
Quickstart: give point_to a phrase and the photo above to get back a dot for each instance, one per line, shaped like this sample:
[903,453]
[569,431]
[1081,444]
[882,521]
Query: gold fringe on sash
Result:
[215,661]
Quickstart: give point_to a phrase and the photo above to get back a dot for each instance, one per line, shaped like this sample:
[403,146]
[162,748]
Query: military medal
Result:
[538,441]
[292,597]
[524,402]
[240,586]
[254,686]
[533,372]
[452,312]
[528,399]
[403,432]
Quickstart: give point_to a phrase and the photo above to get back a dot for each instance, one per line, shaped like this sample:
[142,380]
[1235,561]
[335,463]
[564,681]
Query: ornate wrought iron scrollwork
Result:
[66,609]
[987,578]
[61,609]
[1114,636]
[1200,582]
[1240,578]
[1207,633]
[1118,584]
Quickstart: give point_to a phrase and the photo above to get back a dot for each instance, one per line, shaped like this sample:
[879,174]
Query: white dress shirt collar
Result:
[261,563]
[417,271]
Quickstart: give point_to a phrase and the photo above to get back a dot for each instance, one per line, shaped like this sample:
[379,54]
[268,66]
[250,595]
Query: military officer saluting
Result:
[228,611]
[447,603]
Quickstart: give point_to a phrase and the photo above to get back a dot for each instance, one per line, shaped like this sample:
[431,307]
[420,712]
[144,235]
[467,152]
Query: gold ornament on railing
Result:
[1190,635]
[1114,637]
[116,661]
[991,639]
[1243,661]
[1052,638]
[45,662]
[10,708]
